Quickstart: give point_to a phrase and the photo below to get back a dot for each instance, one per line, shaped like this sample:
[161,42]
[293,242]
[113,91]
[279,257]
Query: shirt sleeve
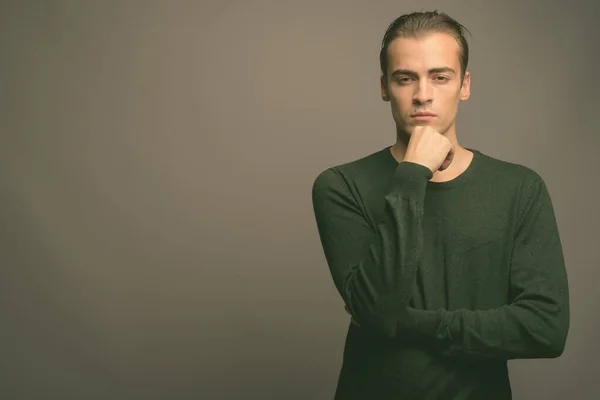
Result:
[373,267]
[536,321]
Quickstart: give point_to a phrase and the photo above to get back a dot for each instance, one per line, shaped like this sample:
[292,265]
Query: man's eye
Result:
[442,77]
[402,80]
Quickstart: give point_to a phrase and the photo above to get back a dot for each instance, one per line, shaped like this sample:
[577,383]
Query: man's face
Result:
[423,75]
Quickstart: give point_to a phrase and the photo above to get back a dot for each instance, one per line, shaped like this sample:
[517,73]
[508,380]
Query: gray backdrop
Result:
[157,238]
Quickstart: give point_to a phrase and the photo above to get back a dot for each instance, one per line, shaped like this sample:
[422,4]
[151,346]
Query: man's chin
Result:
[422,123]
[408,128]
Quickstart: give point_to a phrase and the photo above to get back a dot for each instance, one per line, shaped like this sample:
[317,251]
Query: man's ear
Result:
[385,96]
[465,90]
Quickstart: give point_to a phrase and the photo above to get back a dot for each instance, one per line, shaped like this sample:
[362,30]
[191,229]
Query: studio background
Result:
[157,237]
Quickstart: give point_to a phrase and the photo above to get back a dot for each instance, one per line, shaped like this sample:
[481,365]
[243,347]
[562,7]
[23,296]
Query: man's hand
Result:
[392,335]
[352,318]
[429,148]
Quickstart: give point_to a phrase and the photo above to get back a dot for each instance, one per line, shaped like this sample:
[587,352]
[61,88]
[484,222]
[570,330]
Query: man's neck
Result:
[460,162]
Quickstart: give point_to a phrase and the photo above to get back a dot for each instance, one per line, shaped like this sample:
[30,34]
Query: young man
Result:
[449,260]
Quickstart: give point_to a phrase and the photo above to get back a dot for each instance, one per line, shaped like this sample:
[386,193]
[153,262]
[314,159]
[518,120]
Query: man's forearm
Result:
[373,267]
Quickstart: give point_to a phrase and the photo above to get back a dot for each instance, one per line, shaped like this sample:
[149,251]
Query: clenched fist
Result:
[429,148]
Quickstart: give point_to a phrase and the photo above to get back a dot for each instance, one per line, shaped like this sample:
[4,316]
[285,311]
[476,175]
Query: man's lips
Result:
[423,117]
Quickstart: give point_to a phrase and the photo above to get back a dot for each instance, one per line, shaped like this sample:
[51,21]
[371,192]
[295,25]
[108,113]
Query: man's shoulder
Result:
[520,182]
[502,169]
[357,169]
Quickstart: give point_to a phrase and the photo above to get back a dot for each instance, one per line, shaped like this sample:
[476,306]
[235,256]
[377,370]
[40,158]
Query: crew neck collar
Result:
[459,180]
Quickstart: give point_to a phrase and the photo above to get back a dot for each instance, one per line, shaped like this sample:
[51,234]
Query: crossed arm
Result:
[374,273]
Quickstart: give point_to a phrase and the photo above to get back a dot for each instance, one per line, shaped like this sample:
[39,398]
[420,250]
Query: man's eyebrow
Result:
[431,71]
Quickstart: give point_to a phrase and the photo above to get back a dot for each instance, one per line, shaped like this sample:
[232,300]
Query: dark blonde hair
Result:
[419,24]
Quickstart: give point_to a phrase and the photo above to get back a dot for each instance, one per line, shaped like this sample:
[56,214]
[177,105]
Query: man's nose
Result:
[424,92]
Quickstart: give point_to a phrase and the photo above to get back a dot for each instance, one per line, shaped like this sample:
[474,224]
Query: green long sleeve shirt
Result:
[469,273]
